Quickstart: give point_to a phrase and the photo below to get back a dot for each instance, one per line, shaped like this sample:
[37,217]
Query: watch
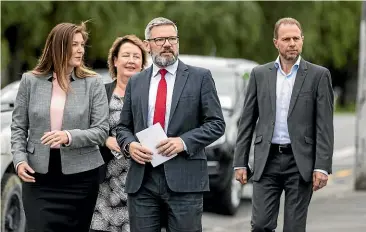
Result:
[126,149]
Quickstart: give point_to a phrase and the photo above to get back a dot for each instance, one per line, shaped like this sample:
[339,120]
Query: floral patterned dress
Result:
[111,212]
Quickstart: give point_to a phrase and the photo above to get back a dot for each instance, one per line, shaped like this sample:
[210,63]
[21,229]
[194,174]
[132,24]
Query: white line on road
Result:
[344,153]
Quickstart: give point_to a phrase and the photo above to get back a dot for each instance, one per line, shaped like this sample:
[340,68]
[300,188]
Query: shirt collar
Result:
[52,76]
[172,69]
[294,67]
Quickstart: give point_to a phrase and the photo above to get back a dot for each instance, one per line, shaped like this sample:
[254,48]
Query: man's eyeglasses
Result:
[160,41]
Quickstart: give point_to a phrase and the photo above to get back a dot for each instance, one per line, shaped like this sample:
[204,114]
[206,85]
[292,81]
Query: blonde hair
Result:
[57,52]
[113,52]
[285,21]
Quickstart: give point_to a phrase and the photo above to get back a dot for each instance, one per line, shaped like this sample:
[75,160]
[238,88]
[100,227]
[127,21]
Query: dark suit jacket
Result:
[104,150]
[195,116]
[106,153]
[310,119]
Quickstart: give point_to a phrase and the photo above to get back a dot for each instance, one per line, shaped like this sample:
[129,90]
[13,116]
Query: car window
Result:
[9,93]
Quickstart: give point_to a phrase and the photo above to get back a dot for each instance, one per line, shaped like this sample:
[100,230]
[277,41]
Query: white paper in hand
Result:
[150,138]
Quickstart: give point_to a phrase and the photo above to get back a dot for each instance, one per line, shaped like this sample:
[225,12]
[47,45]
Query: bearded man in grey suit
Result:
[183,99]
[292,100]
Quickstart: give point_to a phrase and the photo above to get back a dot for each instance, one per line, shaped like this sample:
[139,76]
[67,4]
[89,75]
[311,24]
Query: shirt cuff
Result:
[16,166]
[322,171]
[184,145]
[236,168]
[69,137]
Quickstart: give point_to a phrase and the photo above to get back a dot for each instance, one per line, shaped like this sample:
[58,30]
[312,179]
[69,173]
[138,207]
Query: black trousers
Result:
[280,174]
[155,204]
[58,202]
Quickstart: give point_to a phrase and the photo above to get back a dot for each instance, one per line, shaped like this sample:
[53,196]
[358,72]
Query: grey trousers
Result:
[280,174]
[155,204]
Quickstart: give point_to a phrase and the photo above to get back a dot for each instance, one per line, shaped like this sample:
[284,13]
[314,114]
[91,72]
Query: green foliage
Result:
[246,76]
[228,29]
[348,108]
[4,52]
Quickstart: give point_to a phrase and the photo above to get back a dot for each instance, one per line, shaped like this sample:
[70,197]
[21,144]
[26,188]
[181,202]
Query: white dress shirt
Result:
[154,82]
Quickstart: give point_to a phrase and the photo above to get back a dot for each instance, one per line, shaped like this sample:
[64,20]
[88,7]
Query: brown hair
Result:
[113,52]
[285,21]
[57,52]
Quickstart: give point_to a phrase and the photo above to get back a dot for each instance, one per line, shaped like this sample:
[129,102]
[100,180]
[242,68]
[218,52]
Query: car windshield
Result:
[224,81]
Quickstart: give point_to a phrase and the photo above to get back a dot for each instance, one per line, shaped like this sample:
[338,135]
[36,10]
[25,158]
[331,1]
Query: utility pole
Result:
[360,159]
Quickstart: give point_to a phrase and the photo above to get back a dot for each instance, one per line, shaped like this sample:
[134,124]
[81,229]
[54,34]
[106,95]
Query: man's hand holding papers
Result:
[155,140]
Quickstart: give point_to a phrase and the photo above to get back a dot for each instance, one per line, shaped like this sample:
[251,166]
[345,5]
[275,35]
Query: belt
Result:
[282,148]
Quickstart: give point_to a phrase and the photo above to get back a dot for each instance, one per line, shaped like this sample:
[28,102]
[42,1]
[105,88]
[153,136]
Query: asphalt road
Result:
[343,161]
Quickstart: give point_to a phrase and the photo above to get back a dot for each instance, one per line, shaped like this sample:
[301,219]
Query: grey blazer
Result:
[310,119]
[195,116]
[85,117]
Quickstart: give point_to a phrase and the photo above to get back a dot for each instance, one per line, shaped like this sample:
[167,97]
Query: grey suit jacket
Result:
[310,119]
[85,117]
[195,116]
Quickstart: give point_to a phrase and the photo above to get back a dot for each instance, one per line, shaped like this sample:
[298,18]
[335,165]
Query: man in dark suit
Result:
[292,100]
[183,99]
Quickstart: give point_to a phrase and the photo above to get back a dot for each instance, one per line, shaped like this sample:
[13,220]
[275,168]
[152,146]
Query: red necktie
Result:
[160,104]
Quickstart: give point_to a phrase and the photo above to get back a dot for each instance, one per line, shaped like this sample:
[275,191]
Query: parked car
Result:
[12,214]
[225,192]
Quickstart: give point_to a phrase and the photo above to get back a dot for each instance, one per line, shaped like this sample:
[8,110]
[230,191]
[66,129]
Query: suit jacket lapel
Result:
[300,77]
[145,87]
[46,87]
[72,101]
[272,85]
[109,89]
[180,81]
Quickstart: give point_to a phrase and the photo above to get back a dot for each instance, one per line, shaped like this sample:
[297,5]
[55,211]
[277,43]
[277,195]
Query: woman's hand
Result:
[23,171]
[54,138]
[112,144]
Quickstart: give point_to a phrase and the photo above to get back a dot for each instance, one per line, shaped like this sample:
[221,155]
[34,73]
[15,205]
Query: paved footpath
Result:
[345,211]
[336,208]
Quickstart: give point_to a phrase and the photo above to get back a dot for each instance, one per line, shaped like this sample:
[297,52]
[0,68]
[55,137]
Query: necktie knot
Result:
[163,72]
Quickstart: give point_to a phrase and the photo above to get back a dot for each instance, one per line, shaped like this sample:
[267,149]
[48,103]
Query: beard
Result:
[164,61]
[290,57]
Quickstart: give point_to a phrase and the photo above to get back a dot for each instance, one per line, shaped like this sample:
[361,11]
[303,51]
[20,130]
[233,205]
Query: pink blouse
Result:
[58,100]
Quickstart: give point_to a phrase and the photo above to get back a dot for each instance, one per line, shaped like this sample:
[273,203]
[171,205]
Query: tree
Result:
[227,29]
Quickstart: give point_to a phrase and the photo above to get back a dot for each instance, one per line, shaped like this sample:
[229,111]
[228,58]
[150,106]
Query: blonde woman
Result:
[126,57]
[60,118]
